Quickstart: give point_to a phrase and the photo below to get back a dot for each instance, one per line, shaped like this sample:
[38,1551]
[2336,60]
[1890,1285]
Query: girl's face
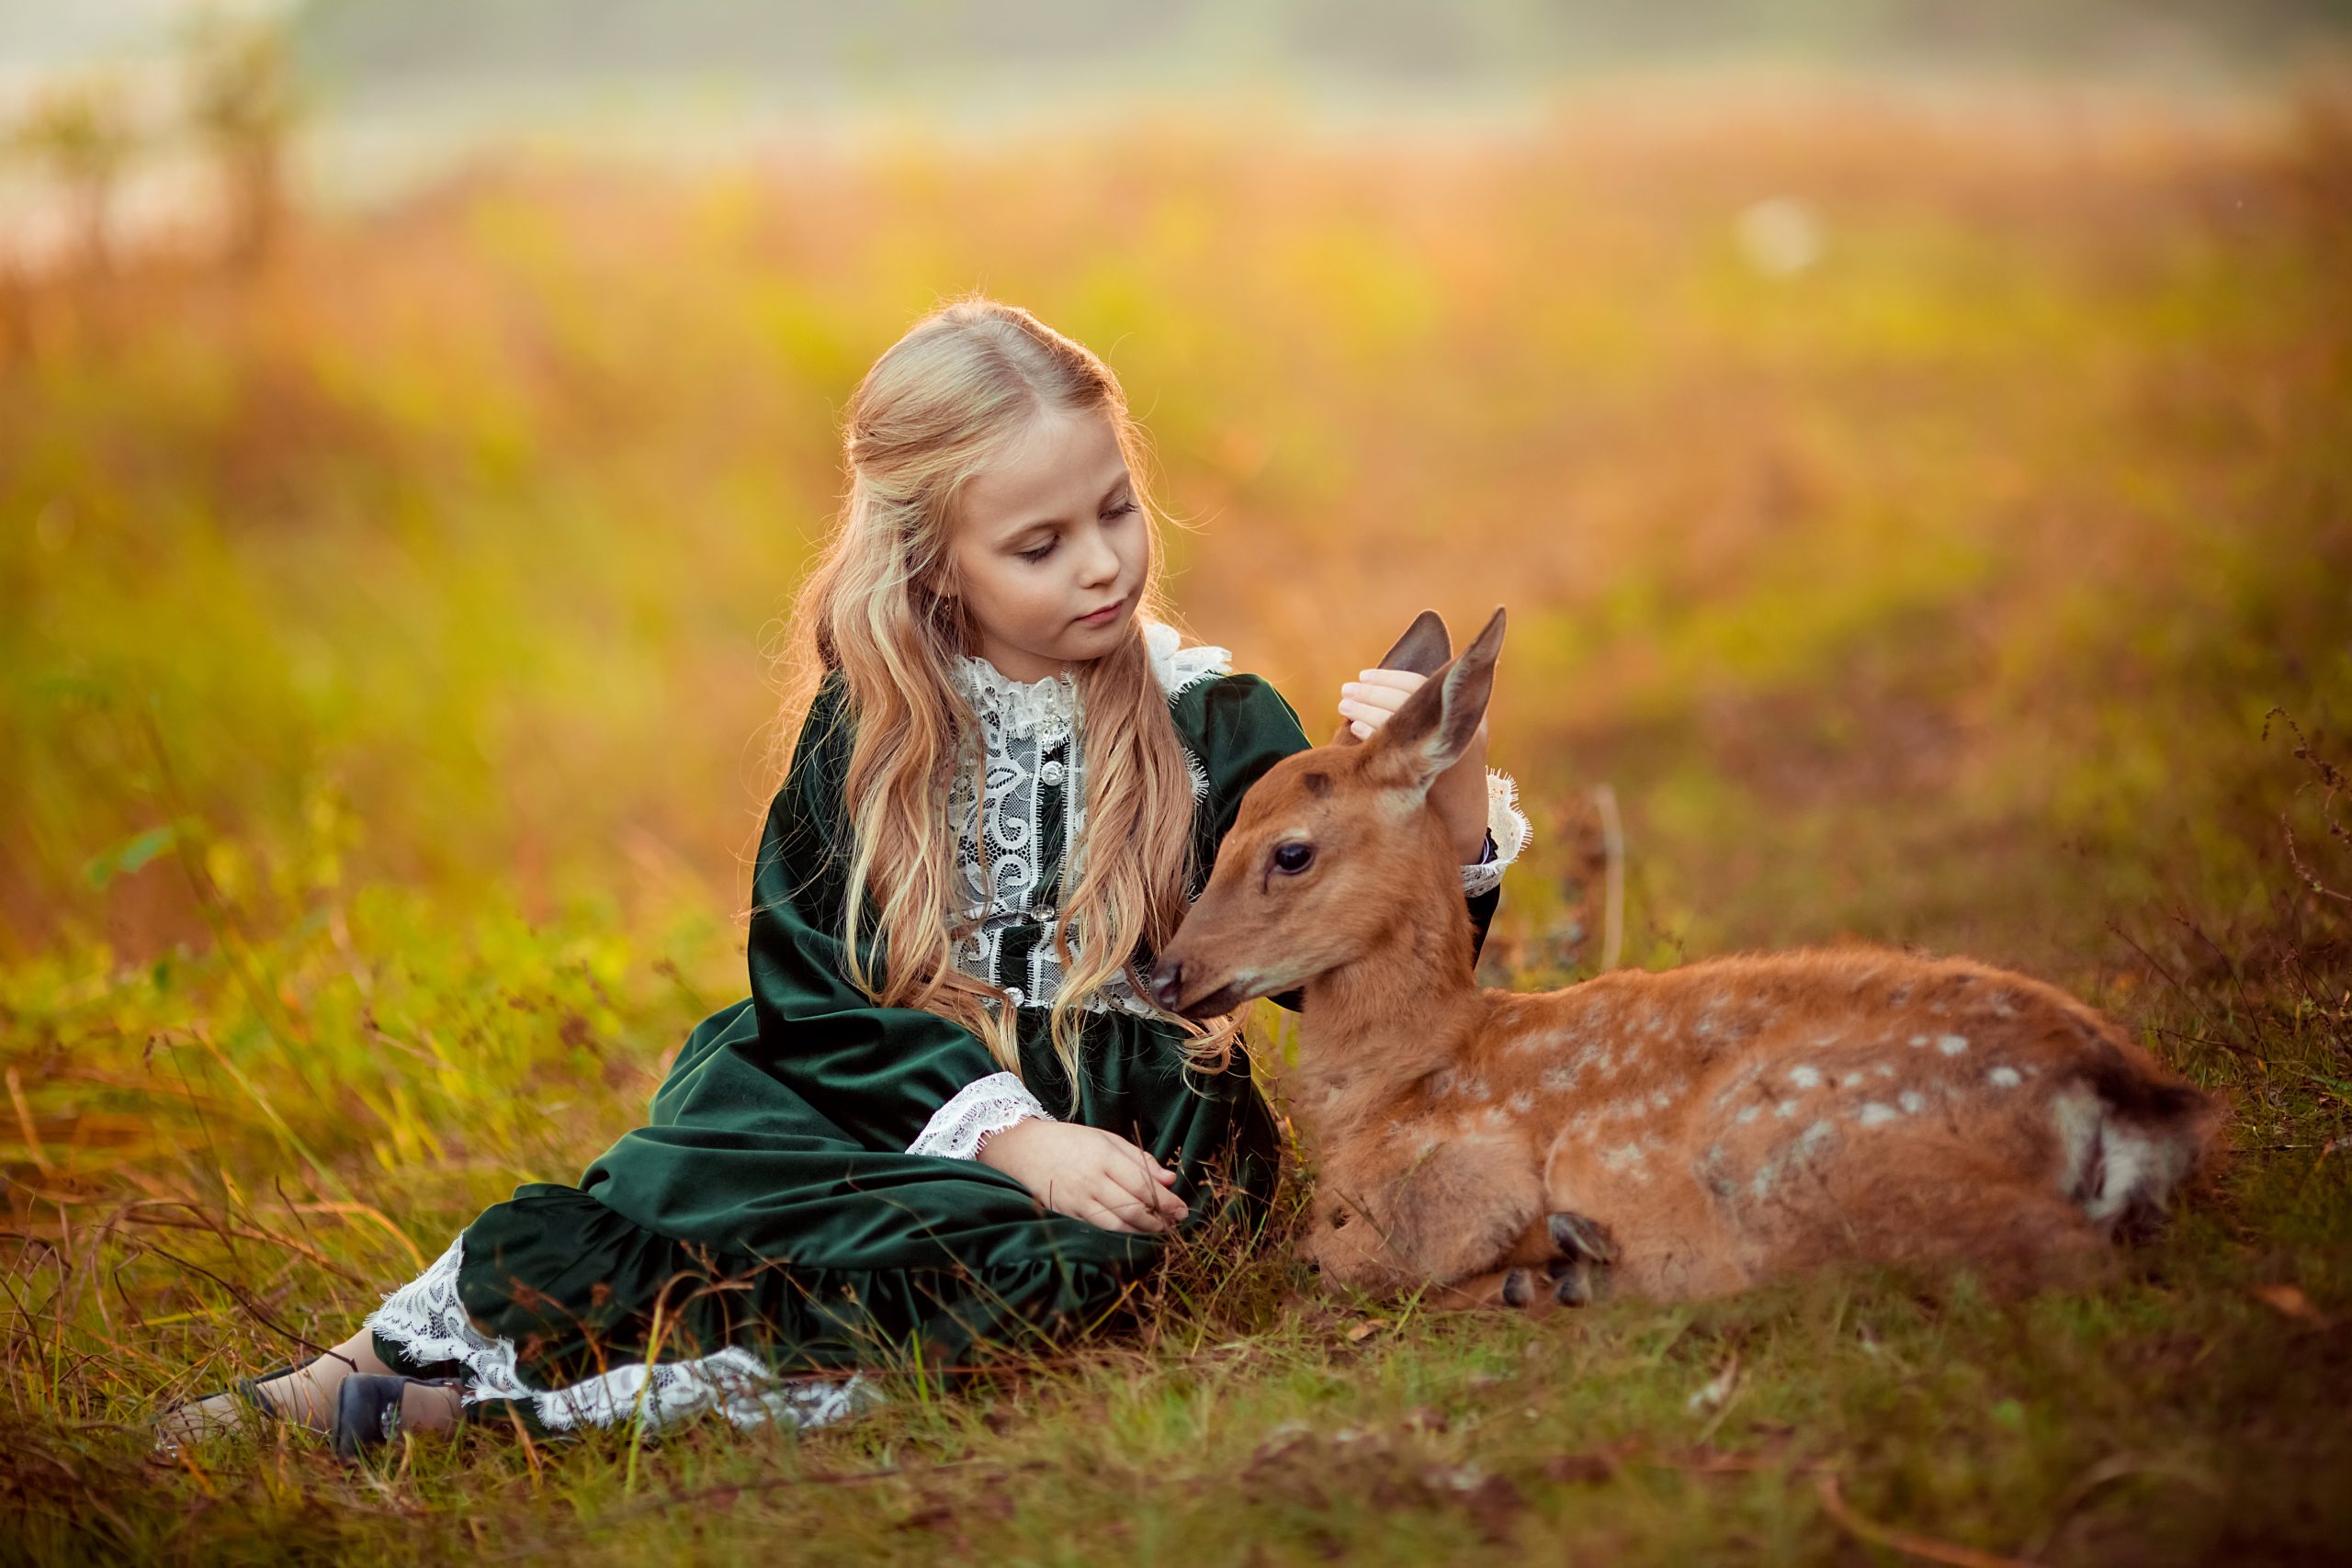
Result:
[1049,547]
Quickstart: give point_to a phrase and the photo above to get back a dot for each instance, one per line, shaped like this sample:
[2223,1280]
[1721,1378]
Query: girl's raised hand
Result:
[1088,1174]
[1371,700]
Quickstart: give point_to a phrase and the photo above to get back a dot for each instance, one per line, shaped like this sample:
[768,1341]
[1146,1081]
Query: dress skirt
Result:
[749,1272]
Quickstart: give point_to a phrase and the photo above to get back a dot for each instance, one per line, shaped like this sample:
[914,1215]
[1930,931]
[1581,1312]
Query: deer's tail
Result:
[2132,1133]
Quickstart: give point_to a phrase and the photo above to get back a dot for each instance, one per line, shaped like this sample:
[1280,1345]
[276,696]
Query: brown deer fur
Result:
[1681,1135]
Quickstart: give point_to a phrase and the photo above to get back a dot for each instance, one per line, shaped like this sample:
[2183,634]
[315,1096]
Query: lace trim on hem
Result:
[1509,825]
[427,1321]
[981,1106]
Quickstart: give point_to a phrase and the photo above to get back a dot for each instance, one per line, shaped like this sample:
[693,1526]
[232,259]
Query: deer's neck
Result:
[1374,1028]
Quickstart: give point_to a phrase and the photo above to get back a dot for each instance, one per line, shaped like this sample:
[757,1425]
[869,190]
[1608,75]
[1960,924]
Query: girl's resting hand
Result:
[1088,1174]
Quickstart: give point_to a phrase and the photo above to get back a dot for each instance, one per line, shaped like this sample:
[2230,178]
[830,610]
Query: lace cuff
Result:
[1506,833]
[985,1106]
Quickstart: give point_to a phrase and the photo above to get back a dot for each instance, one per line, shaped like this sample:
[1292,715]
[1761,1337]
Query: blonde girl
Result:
[946,1118]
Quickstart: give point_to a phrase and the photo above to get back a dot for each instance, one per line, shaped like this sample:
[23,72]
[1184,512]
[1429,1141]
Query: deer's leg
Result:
[1455,1212]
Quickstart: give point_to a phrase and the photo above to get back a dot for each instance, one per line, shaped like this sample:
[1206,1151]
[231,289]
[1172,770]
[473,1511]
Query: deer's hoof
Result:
[1574,1287]
[1517,1288]
[1580,1239]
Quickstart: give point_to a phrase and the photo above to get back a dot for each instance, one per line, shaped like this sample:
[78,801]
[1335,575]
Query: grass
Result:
[386,726]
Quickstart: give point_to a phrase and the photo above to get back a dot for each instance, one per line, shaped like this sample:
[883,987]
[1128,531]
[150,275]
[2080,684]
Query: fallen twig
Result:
[1825,1484]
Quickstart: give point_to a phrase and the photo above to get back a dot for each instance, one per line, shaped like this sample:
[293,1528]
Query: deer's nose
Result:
[1168,982]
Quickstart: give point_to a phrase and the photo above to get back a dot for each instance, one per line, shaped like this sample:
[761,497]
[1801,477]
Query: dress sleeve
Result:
[1238,727]
[881,1075]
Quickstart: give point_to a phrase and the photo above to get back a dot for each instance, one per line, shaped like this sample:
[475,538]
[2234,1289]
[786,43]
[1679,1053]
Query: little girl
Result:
[946,1117]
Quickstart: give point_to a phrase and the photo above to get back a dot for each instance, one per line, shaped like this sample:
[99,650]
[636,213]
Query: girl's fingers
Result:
[1370,704]
[1405,682]
[1370,700]
[1165,1202]
[1132,1184]
[1132,1215]
[1164,1208]
[1109,1210]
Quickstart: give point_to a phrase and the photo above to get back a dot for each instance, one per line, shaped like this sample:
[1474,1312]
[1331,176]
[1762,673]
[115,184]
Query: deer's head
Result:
[1332,846]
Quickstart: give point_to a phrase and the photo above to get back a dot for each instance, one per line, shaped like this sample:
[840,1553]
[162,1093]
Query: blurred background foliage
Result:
[1914,442]
[1911,500]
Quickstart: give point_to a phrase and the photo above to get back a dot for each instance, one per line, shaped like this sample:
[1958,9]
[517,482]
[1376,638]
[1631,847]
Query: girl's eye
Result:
[1293,857]
[1124,509]
[1040,553]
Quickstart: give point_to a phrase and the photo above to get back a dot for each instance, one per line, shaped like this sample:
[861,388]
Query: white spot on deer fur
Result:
[1522,1102]
[1624,1157]
[1662,1098]
[1805,1078]
[1786,1108]
[1874,1113]
[1886,1071]
[2003,1078]
[1560,1080]
[1656,1024]
[1747,1113]
[1951,1045]
[1912,1101]
[1850,1081]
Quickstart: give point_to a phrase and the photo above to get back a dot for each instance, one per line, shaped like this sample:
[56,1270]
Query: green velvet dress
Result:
[802,1198]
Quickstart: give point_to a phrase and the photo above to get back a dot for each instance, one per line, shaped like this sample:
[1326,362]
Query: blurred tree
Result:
[81,129]
[243,104]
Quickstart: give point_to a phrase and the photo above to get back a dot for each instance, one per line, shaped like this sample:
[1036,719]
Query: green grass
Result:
[385,716]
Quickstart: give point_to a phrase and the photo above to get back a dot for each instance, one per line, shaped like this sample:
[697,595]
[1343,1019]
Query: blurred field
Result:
[386,721]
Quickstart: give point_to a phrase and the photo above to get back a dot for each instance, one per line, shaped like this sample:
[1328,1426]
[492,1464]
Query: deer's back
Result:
[1744,1116]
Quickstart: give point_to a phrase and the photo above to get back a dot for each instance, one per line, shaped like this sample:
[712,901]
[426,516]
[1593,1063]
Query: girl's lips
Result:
[1102,615]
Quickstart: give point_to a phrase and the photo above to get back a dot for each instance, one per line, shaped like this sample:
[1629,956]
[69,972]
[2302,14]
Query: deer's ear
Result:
[1423,649]
[1429,734]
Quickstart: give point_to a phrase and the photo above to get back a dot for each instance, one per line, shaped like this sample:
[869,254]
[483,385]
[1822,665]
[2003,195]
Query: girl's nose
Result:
[1100,562]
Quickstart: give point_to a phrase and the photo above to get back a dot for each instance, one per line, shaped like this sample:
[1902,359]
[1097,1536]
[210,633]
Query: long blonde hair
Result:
[927,417]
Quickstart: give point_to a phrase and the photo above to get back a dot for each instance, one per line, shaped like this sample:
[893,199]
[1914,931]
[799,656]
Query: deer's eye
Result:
[1293,857]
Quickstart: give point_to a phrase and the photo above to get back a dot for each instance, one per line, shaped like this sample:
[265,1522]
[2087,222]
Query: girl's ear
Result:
[1423,649]
[1429,734]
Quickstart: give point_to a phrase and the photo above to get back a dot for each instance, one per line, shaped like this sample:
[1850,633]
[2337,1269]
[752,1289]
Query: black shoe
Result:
[367,1410]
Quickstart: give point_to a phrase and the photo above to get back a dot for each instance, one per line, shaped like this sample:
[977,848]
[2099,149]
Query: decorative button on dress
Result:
[803,1198]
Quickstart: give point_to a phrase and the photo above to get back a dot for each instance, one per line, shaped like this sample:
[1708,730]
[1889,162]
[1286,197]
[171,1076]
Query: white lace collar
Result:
[1016,708]
[1024,708]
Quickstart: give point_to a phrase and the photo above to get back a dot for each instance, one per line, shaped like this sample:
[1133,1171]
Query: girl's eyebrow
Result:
[1015,532]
